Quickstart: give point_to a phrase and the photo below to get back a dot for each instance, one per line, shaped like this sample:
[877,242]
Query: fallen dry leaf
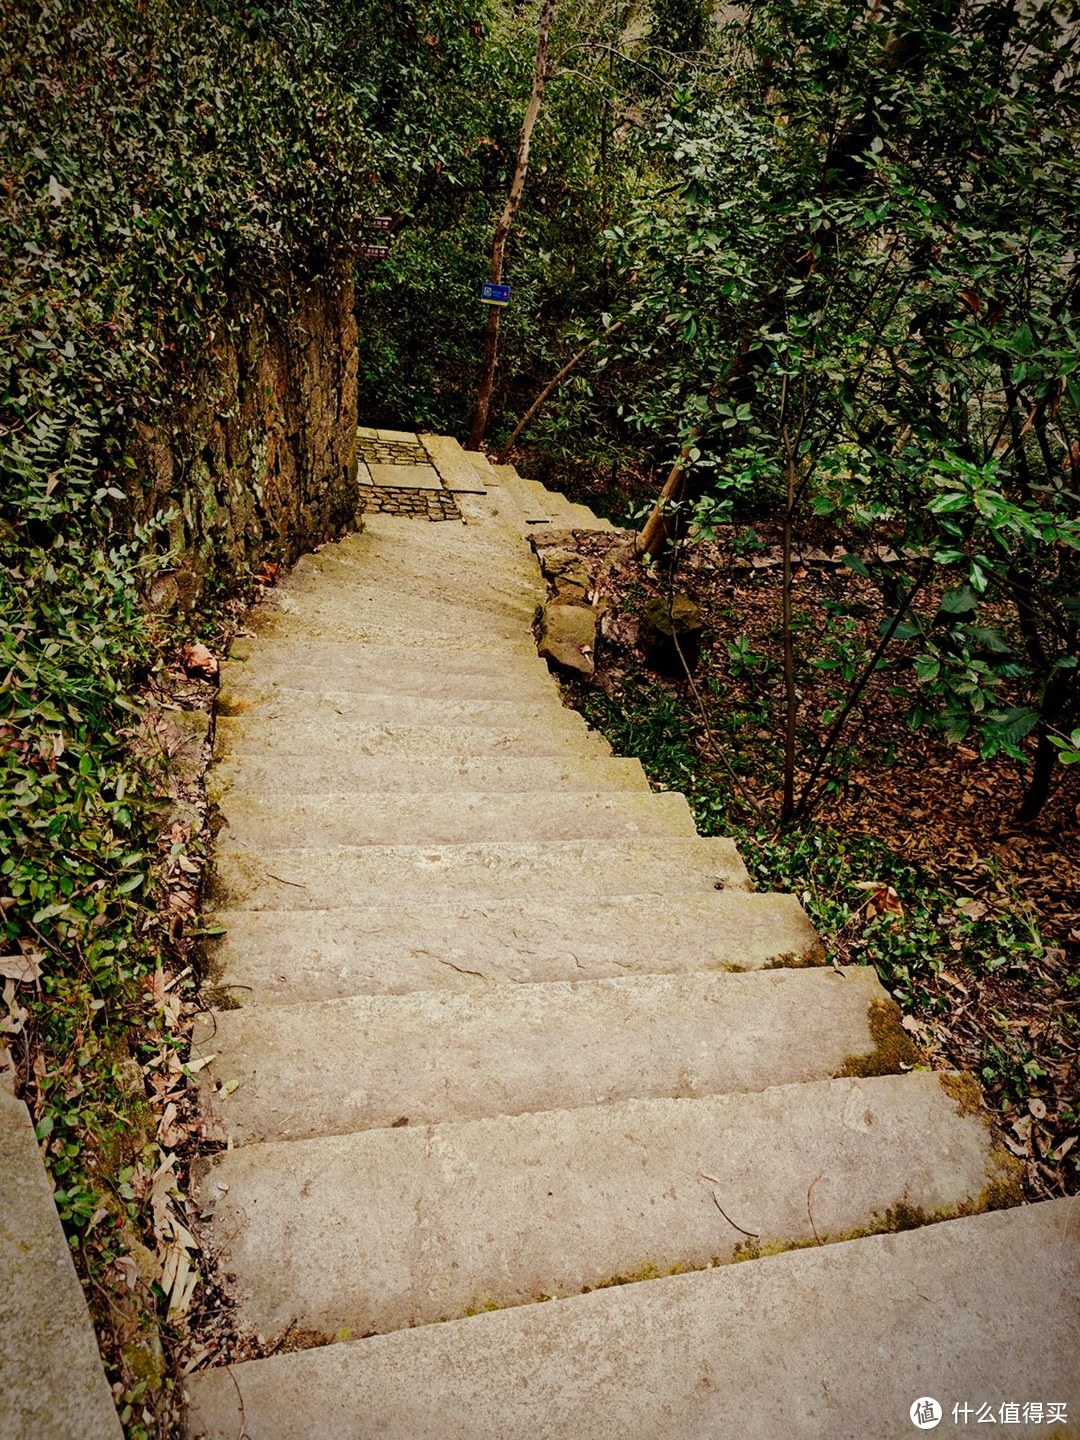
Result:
[22,968]
[198,661]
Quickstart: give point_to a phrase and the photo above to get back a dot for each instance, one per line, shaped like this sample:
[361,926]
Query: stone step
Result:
[423,679]
[406,1226]
[270,709]
[532,511]
[391,668]
[477,546]
[571,871]
[513,590]
[278,956]
[338,614]
[318,624]
[452,817]
[831,1343]
[478,542]
[432,1057]
[363,583]
[52,1382]
[331,773]
[338,736]
[458,475]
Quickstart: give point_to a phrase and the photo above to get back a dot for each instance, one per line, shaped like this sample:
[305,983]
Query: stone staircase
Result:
[495,1027]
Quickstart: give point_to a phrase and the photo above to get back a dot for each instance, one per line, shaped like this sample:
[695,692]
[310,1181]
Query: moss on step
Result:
[893,1049]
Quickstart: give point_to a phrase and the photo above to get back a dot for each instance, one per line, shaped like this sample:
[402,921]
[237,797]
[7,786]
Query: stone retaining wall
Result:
[260,462]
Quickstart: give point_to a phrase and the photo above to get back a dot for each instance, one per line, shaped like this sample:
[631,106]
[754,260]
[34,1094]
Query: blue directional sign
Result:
[494,294]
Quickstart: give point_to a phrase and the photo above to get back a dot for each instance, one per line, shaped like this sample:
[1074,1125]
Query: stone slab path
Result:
[536,1119]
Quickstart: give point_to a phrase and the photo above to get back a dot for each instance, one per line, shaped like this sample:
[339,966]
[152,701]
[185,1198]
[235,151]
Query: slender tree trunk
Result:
[502,231]
[551,386]
[651,539]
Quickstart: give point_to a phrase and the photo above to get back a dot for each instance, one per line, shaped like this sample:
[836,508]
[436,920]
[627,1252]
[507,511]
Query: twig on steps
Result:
[809,1212]
[753,1234]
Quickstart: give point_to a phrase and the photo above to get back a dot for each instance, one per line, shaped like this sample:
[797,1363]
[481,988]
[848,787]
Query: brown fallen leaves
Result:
[198,662]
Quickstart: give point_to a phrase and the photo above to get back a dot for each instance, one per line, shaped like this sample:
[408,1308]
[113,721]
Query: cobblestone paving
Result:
[420,504]
[390,452]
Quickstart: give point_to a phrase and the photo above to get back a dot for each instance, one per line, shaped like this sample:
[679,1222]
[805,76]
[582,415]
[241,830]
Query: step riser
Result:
[407,1227]
[283,956]
[568,870]
[453,819]
[298,1071]
[824,1344]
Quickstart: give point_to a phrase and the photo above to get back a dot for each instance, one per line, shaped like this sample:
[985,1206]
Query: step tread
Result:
[276,956]
[431,1057]
[306,774]
[395,1227]
[831,1343]
[452,817]
[337,735]
[322,877]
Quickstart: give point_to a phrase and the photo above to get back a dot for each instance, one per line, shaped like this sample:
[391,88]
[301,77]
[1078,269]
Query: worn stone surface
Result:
[340,737]
[275,956]
[409,1226]
[301,1070]
[451,817]
[404,477]
[261,462]
[573,871]
[832,1343]
[568,636]
[52,1384]
[457,473]
[386,667]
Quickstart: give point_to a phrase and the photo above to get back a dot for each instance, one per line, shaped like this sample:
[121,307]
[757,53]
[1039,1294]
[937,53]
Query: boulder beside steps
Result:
[529,1129]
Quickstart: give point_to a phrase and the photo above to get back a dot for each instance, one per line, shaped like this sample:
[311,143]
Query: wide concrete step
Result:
[480,542]
[388,1228]
[333,773]
[572,871]
[396,669]
[452,817]
[270,707]
[825,1343]
[562,734]
[514,590]
[337,613]
[283,1072]
[278,956]
[529,681]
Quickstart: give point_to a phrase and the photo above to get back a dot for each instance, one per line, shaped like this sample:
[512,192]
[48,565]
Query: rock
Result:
[666,620]
[568,635]
[567,573]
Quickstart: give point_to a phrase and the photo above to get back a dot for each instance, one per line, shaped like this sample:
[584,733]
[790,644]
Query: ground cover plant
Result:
[913,863]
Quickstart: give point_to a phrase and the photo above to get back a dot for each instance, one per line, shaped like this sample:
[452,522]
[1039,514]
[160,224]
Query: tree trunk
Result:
[502,231]
[652,538]
[552,385]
